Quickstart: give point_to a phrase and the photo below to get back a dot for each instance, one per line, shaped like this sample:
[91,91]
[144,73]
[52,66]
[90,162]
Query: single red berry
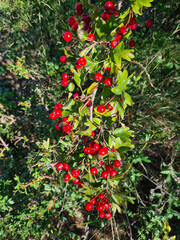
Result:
[76,180]
[79,12]
[104,174]
[149,23]
[82,61]
[75,26]
[91,145]
[101,108]
[108,215]
[79,184]
[87,150]
[89,29]
[52,116]
[75,173]
[63,59]
[103,151]
[93,152]
[65,76]
[86,19]
[132,21]
[93,170]
[101,196]
[88,206]
[67,177]
[108,69]
[64,82]
[106,206]
[91,37]
[98,76]
[114,43]
[101,214]
[109,107]
[113,149]
[122,29]
[58,112]
[108,5]
[114,11]
[65,119]
[86,26]
[57,127]
[108,82]
[101,163]
[78,6]
[77,65]
[66,166]
[71,21]
[117,163]
[100,208]
[105,16]
[57,106]
[85,138]
[93,200]
[113,173]
[131,43]
[76,96]
[109,168]
[59,166]
[118,36]
[154,153]
[96,146]
[93,133]
[67,36]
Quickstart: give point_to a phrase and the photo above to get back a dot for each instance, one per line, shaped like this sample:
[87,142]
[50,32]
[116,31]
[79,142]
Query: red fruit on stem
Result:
[108,69]
[87,150]
[106,206]
[63,59]
[108,5]
[86,19]
[113,173]
[118,36]
[109,107]
[93,133]
[109,168]
[88,206]
[58,112]
[105,16]
[101,108]
[52,116]
[66,166]
[78,6]
[122,29]
[96,146]
[82,61]
[75,173]
[91,37]
[114,11]
[67,177]
[86,26]
[75,26]
[100,208]
[148,23]
[131,43]
[66,129]
[103,151]
[93,200]
[57,106]
[71,21]
[93,152]
[108,82]
[65,76]
[104,174]
[79,12]
[117,163]
[101,163]
[114,43]
[57,127]
[76,96]
[98,76]
[59,166]
[67,36]
[132,21]
[101,196]
[93,170]
[101,214]
[64,82]
[76,180]
[108,215]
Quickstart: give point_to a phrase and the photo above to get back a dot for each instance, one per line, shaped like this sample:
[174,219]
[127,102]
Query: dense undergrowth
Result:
[35,208]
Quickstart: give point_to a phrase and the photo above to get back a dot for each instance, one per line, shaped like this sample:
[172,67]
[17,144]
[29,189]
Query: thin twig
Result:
[129,224]
[112,229]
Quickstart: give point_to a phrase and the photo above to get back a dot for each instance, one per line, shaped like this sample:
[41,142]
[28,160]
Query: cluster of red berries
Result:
[99,77]
[110,10]
[67,176]
[101,204]
[57,112]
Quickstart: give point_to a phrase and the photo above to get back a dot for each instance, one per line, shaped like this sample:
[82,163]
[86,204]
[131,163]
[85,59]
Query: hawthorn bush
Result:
[86,163]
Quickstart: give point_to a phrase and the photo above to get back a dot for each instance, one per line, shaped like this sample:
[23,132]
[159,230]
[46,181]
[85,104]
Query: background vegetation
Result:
[33,207]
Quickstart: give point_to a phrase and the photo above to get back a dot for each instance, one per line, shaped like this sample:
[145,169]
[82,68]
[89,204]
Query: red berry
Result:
[106,206]
[87,150]
[101,214]
[118,36]
[88,206]
[149,23]
[76,96]
[114,11]
[66,166]
[66,129]
[131,43]
[101,196]
[67,177]
[75,173]
[57,127]
[52,116]
[67,36]
[109,168]
[98,76]
[132,21]
[71,21]
[77,65]
[79,12]
[103,151]
[104,174]
[105,16]
[86,19]
[113,173]
[65,119]
[82,61]
[78,6]
[86,26]
[92,200]
[93,133]
[93,152]
[110,107]
[108,82]
[59,166]
[64,82]
[108,69]
[122,29]
[101,163]
[58,112]
[75,26]
[101,108]
[57,106]
[100,208]
[108,215]
[114,43]
[91,37]
[117,163]
[113,149]
[108,5]
[65,76]
[93,170]
[96,146]
[63,59]
[76,180]
[89,29]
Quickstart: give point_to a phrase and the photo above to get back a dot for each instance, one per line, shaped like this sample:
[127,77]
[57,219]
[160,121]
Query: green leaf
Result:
[71,87]
[89,191]
[120,52]
[46,144]
[137,5]
[92,87]
[82,34]
[77,78]
[118,199]
[115,208]
[124,133]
